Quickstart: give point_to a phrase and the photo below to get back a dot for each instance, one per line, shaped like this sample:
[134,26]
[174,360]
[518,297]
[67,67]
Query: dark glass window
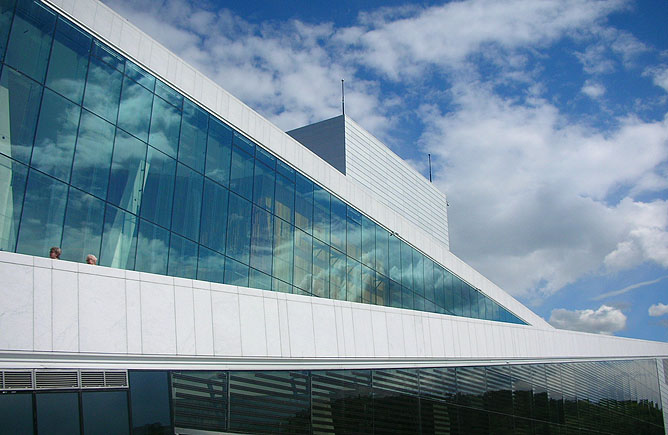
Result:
[200,400]
[58,413]
[55,136]
[92,157]
[382,256]
[192,148]
[119,240]
[24,96]
[218,152]
[239,229]
[395,294]
[82,232]
[407,299]
[30,40]
[16,413]
[303,203]
[428,279]
[6,15]
[214,216]
[210,265]
[165,127]
[108,56]
[259,280]
[152,248]
[12,187]
[188,205]
[69,61]
[261,240]
[43,213]
[134,112]
[182,257]
[149,396]
[126,182]
[156,203]
[103,89]
[105,412]
[241,176]
[264,184]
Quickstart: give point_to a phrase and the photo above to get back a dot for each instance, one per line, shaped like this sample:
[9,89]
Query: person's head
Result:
[91,259]
[55,252]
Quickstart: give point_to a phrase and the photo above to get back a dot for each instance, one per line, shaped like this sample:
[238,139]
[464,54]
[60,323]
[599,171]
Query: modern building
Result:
[244,283]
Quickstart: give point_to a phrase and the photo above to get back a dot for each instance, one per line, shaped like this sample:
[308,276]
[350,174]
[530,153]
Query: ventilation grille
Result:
[62,379]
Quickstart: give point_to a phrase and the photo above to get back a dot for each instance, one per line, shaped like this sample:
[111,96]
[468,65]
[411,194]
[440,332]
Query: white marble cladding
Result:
[52,307]
[118,32]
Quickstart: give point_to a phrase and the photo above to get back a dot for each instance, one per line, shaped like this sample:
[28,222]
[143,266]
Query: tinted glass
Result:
[134,112]
[165,127]
[58,413]
[69,61]
[263,186]
[92,156]
[22,98]
[320,286]
[285,198]
[368,242]
[105,412]
[126,182]
[304,203]
[137,73]
[418,273]
[108,56]
[103,89]
[6,15]
[218,152]
[238,229]
[56,135]
[321,214]
[12,188]
[192,146]
[394,259]
[30,39]
[368,285]
[236,273]
[353,281]
[119,240]
[406,265]
[241,176]
[337,275]
[188,205]
[303,260]
[82,232]
[152,248]
[16,413]
[43,213]
[182,257]
[149,396]
[214,216]
[261,240]
[168,94]
[338,224]
[395,294]
[159,188]
[283,254]
[210,265]
[354,238]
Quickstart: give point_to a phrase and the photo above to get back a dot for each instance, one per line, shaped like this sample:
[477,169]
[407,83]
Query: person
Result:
[54,253]
[91,259]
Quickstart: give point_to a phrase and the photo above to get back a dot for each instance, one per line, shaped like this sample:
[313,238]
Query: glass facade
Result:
[100,157]
[602,397]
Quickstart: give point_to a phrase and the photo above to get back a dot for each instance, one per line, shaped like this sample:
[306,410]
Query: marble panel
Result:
[380,339]
[437,340]
[42,321]
[253,328]
[158,324]
[284,328]
[65,311]
[347,327]
[300,324]
[272,327]
[324,327]
[395,334]
[420,335]
[133,316]
[203,322]
[102,314]
[16,307]
[410,335]
[363,332]
[185,320]
[226,324]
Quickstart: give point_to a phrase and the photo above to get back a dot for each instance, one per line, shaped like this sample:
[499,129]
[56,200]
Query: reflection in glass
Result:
[394,259]
[261,240]
[210,265]
[368,242]
[338,224]
[159,188]
[321,214]
[263,186]
[354,281]
[137,73]
[168,94]
[406,265]
[165,125]
[259,280]
[382,290]
[21,97]
[238,229]
[30,40]
[303,203]
[354,236]
[236,273]
[428,279]
[134,112]
[16,413]
[69,61]
[152,248]
[108,55]
[337,275]
[43,212]
[6,15]
[283,255]
[368,285]
[105,412]
[55,136]
[395,294]
[241,175]
[214,216]
[303,260]
[192,146]
[182,257]
[12,188]
[57,413]
[119,241]
[149,396]
[92,156]
[218,152]
[285,198]
[320,269]
[418,273]
[126,182]
[103,89]
[188,205]
[82,232]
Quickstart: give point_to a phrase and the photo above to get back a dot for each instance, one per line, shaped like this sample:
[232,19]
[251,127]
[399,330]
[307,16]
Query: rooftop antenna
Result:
[343,99]
[429,156]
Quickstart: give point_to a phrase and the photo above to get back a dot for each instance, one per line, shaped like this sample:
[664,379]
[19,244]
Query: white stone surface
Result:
[253,334]
[102,314]
[158,323]
[184,320]
[65,303]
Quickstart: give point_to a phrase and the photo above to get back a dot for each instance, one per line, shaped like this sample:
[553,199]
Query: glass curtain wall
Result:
[100,157]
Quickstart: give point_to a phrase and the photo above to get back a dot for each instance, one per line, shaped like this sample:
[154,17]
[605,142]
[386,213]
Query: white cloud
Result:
[658,309]
[659,76]
[628,288]
[593,90]
[605,320]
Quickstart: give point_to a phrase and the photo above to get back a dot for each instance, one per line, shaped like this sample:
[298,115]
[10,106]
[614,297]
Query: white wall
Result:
[59,313]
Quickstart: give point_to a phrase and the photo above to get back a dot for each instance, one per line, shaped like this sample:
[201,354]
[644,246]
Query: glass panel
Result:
[159,188]
[57,413]
[368,285]
[218,152]
[473,301]
[395,294]
[406,265]
[320,269]
[303,260]
[126,182]
[30,40]
[266,158]
[236,273]
[368,242]
[354,236]
[152,248]
[239,229]
[428,279]
[109,56]
[92,157]
[279,286]
[12,188]
[119,241]
[182,257]
[458,308]
[16,413]
[338,224]
[21,96]
[354,281]
[137,73]
[105,412]
[449,289]
[382,290]
[382,256]
[395,258]
[43,213]
[244,144]
[103,90]
[259,280]
[214,216]
[439,290]
[210,266]
[261,240]
[165,127]
[418,273]
[82,233]
[285,170]
[168,94]
[188,194]
[69,61]
[337,270]
[285,199]
[241,176]
[149,396]
[321,213]
[55,137]
[283,246]
[263,190]
[6,15]
[406,298]
[134,113]
[304,203]
[192,147]
[200,400]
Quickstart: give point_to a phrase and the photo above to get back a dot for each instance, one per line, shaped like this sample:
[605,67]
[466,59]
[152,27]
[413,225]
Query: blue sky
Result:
[546,121]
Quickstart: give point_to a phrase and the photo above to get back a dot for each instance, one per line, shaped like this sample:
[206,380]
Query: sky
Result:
[547,123]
